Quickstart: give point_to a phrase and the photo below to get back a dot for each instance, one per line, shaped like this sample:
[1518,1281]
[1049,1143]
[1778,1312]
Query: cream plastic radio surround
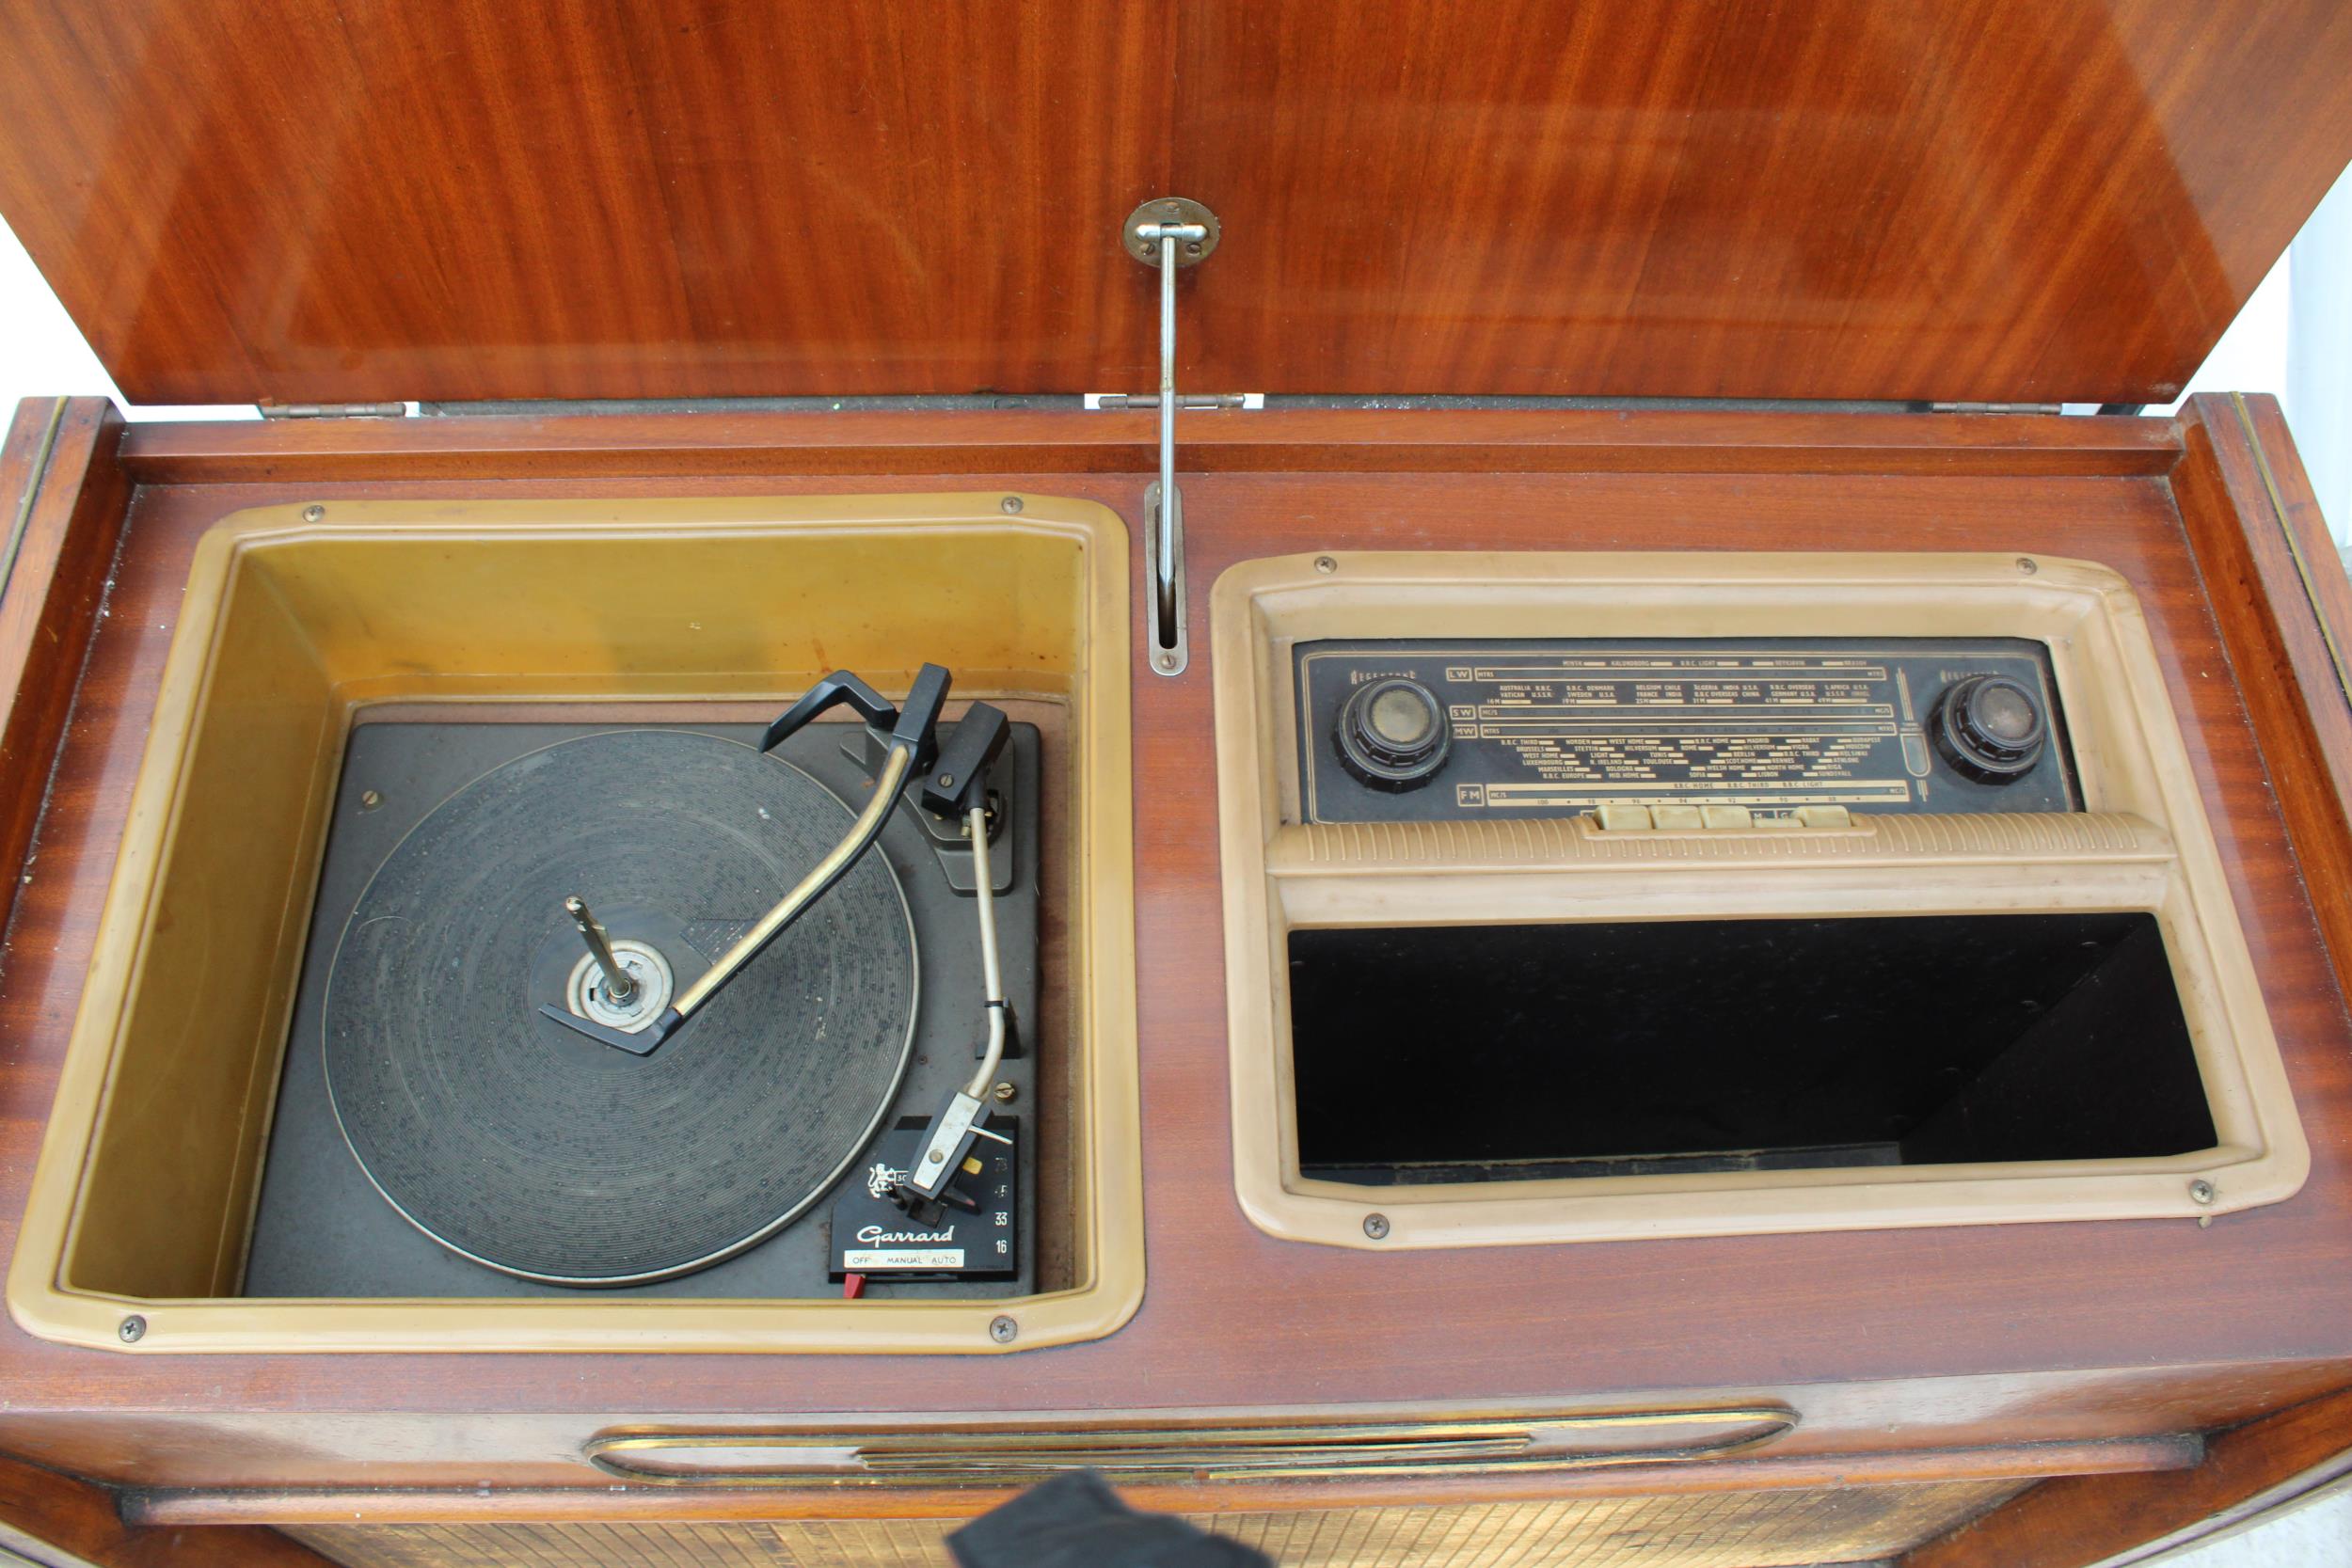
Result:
[2143,844]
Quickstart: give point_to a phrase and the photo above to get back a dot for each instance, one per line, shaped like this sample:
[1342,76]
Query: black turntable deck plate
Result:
[322,1228]
[524,1145]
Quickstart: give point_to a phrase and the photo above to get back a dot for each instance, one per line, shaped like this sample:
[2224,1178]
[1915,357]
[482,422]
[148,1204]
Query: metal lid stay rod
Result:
[1170,232]
[1171,501]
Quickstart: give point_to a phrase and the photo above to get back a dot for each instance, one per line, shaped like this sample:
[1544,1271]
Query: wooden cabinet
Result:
[1519,279]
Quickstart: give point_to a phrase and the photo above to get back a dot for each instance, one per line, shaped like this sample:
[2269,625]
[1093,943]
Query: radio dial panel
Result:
[1788,730]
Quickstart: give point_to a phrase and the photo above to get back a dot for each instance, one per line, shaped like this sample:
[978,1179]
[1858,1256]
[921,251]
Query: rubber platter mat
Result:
[532,1149]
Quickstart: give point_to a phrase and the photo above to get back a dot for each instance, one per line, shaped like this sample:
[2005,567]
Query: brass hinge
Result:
[272,409]
[1114,402]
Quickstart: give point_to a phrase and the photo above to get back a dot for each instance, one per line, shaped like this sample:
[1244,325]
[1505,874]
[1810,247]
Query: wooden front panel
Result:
[1979,199]
[1724,1530]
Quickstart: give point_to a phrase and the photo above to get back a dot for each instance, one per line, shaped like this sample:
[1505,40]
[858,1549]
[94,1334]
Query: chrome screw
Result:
[2025,565]
[1376,1225]
[370,799]
[2200,1191]
[1324,564]
[313,513]
[1166,661]
[1010,504]
[132,1330]
[1003,1330]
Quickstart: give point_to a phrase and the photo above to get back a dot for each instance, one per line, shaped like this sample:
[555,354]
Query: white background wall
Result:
[43,355]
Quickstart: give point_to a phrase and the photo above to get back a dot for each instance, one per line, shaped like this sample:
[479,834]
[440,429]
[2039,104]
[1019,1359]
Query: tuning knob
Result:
[1393,734]
[1989,728]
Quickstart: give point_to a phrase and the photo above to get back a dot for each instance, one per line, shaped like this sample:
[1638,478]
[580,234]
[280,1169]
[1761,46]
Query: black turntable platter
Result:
[524,1145]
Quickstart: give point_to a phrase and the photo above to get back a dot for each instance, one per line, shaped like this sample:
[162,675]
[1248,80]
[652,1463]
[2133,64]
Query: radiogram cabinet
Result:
[646,366]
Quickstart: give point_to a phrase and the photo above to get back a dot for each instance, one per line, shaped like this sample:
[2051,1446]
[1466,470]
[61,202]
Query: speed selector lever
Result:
[908,734]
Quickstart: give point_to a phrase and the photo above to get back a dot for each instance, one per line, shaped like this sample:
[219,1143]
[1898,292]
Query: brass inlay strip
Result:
[25,503]
[2295,546]
[1313,1450]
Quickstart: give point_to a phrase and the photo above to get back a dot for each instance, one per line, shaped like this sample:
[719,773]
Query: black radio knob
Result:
[1393,734]
[1989,728]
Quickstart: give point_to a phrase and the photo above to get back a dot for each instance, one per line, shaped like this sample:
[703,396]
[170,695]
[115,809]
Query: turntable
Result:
[634,1089]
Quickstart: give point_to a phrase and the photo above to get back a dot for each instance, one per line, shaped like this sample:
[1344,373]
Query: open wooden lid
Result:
[1973,199]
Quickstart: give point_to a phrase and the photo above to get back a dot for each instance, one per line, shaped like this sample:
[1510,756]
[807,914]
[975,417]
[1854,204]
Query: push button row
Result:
[1643,819]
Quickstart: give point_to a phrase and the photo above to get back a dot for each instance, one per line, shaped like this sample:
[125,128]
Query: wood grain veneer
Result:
[2016,1465]
[62,497]
[974,443]
[58,1520]
[2081,1521]
[2281,598]
[1988,199]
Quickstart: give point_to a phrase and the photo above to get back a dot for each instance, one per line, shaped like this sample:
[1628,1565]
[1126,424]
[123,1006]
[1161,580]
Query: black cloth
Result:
[1077,1521]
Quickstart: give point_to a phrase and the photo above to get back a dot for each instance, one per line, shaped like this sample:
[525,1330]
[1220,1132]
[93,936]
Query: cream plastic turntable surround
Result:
[297,616]
[2141,844]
